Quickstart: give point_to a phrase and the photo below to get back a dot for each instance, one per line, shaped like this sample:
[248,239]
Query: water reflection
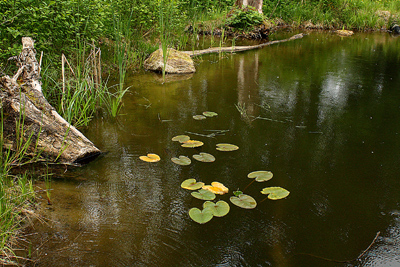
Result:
[331,140]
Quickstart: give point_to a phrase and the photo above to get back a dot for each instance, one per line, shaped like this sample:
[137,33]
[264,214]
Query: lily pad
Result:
[226,147]
[244,201]
[275,193]
[150,158]
[219,209]
[192,143]
[181,138]
[182,160]
[209,114]
[216,188]
[199,117]
[261,176]
[201,216]
[204,157]
[191,184]
[204,194]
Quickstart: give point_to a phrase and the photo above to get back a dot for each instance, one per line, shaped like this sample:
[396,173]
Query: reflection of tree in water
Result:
[247,78]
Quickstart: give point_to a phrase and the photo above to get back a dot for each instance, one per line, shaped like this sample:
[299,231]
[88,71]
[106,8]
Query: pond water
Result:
[322,113]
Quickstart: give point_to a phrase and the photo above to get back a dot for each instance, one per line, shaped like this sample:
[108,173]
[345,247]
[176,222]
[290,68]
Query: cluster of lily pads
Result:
[221,208]
[208,192]
[206,114]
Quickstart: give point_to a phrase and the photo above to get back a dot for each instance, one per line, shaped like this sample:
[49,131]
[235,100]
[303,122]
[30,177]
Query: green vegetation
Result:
[130,31]
[16,195]
[333,14]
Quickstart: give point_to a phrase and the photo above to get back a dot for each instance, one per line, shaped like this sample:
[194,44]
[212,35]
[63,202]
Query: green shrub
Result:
[244,19]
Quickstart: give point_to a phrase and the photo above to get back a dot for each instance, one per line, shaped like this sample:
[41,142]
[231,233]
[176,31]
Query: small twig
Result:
[268,119]
[40,62]
[249,185]
[370,245]
[72,70]
[15,77]
[344,261]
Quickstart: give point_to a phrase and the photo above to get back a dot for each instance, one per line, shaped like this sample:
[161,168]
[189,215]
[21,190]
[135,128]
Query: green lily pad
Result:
[244,201]
[204,194]
[192,143]
[201,216]
[219,209]
[275,193]
[204,157]
[199,117]
[191,184]
[226,147]
[209,114]
[181,138]
[261,176]
[182,160]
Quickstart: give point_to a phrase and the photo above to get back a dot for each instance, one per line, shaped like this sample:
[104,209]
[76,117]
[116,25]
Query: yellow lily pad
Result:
[150,158]
[216,188]
[227,147]
[192,143]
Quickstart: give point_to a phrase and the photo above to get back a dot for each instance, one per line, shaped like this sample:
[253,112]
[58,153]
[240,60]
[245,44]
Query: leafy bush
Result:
[244,19]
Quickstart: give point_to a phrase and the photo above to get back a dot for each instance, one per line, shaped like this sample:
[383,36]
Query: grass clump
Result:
[16,196]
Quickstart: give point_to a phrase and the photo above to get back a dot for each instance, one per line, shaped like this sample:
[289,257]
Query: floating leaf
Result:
[237,193]
[199,117]
[204,194]
[209,114]
[200,216]
[181,138]
[275,193]
[182,160]
[261,176]
[216,188]
[244,201]
[226,147]
[204,157]
[191,184]
[150,158]
[219,209]
[192,143]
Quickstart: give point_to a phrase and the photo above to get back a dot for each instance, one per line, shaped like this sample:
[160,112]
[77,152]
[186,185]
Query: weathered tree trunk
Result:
[257,4]
[29,119]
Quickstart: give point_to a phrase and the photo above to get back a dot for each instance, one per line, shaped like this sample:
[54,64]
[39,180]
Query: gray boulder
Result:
[177,62]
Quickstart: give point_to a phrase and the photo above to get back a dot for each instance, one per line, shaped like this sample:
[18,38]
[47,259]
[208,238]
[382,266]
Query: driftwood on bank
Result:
[29,119]
[239,48]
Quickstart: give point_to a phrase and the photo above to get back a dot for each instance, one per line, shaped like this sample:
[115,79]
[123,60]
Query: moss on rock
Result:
[177,62]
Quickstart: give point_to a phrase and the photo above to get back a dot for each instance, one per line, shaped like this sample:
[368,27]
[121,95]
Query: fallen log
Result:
[234,49]
[30,123]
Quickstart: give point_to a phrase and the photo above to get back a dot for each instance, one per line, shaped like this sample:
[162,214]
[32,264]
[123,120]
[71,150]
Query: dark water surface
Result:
[333,142]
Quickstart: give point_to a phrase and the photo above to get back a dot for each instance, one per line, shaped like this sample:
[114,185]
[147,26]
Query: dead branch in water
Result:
[233,49]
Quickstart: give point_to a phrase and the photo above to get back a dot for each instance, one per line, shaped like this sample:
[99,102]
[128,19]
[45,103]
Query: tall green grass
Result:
[16,192]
